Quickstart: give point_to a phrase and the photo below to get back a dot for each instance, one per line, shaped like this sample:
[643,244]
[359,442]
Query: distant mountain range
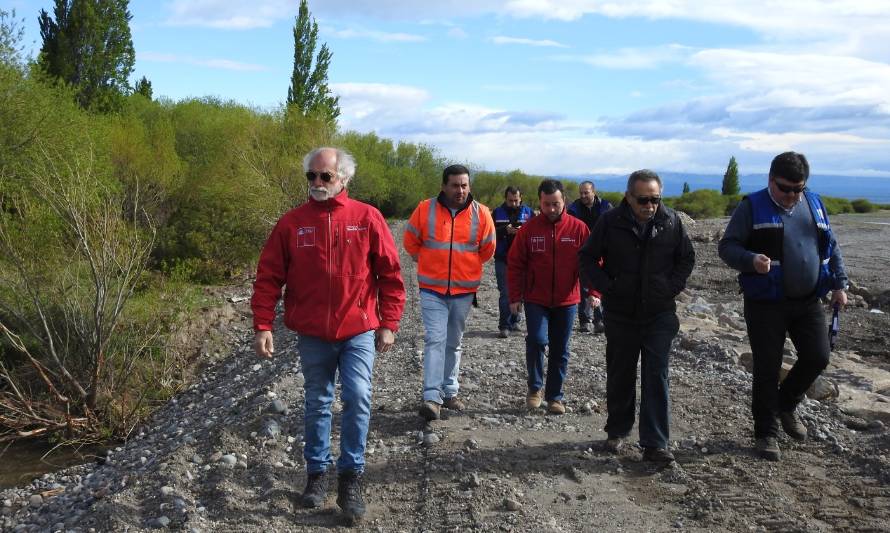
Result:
[852,187]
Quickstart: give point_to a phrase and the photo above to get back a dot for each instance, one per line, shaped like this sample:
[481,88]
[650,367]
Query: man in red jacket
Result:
[344,298]
[542,273]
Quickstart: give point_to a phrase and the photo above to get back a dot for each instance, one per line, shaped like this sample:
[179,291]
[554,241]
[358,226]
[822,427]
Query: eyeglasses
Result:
[786,189]
[325,176]
[643,200]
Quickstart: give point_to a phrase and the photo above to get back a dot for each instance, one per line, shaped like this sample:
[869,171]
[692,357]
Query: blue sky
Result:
[556,86]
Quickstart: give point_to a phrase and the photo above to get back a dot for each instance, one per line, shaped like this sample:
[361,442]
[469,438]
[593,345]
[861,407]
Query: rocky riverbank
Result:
[225,455]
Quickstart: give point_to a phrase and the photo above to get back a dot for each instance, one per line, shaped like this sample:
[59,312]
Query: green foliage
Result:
[308,91]
[836,206]
[731,178]
[87,44]
[143,87]
[703,203]
[861,205]
[12,32]
[686,188]
[613,197]
[488,187]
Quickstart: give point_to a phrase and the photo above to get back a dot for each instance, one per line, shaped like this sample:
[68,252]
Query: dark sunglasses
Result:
[643,200]
[786,189]
[325,176]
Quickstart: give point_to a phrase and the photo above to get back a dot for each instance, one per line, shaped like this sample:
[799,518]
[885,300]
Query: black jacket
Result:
[641,272]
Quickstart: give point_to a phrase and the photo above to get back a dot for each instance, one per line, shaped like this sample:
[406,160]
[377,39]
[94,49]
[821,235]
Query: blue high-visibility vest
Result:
[767,238]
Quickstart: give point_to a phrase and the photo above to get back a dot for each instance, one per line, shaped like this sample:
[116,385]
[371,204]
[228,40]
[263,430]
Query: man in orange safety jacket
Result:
[450,237]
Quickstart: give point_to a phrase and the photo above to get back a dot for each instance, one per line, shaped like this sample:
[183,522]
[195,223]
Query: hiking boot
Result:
[556,407]
[599,327]
[615,444]
[658,455]
[349,496]
[316,490]
[429,410]
[534,398]
[454,403]
[503,333]
[768,448]
[584,327]
[793,426]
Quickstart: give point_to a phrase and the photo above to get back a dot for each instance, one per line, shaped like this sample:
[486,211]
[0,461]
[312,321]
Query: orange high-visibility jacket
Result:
[450,250]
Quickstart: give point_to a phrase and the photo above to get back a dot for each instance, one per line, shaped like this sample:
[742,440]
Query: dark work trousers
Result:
[586,312]
[629,341]
[768,322]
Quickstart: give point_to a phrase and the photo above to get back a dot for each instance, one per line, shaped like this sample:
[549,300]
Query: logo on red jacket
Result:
[539,244]
[306,237]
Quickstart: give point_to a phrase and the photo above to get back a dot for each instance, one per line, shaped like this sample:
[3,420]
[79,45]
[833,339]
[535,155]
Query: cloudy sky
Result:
[557,86]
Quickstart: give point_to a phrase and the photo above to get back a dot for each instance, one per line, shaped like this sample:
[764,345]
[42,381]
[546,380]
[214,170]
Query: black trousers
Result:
[768,323]
[627,342]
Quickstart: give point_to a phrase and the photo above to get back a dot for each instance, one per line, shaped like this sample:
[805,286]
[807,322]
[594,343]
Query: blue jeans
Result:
[444,320]
[506,319]
[553,326]
[648,341]
[320,360]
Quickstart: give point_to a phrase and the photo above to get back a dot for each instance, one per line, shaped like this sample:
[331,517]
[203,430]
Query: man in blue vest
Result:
[508,217]
[588,207]
[780,241]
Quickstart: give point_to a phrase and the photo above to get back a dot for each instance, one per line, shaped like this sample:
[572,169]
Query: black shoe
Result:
[429,410]
[584,327]
[598,326]
[793,426]
[316,490]
[768,448]
[503,333]
[658,455]
[349,496]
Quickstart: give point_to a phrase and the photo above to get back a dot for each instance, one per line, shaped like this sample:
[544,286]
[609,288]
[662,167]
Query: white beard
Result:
[320,194]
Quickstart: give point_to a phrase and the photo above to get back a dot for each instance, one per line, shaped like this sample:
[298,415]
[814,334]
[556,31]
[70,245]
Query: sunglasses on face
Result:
[643,200]
[325,176]
[786,189]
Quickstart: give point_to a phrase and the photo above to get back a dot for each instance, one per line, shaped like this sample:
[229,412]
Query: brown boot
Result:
[556,407]
[534,398]
[454,403]
[429,410]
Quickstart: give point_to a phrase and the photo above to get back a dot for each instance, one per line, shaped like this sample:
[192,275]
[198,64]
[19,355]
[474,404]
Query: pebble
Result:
[163,521]
[278,407]
[474,481]
[471,444]
[35,500]
[166,490]
[430,439]
[512,505]
[228,460]
[256,367]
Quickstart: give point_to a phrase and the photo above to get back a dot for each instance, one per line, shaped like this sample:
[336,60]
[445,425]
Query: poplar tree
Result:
[731,178]
[308,91]
[143,87]
[685,187]
[87,44]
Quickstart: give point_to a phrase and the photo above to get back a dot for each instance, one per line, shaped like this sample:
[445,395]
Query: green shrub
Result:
[861,205]
[836,206]
[703,203]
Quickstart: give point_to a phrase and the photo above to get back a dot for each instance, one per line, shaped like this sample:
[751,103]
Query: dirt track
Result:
[497,466]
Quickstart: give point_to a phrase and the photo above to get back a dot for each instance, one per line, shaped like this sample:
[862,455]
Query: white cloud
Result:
[380,36]
[224,64]
[633,58]
[500,39]
[229,14]
[458,33]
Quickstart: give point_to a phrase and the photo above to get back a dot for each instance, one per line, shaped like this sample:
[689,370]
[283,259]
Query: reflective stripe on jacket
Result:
[767,238]
[341,268]
[450,250]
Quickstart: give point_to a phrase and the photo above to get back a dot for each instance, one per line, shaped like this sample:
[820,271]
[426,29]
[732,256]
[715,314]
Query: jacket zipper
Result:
[450,252]
[553,269]
[330,277]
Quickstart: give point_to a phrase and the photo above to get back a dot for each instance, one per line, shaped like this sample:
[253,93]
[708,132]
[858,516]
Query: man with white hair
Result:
[344,298]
